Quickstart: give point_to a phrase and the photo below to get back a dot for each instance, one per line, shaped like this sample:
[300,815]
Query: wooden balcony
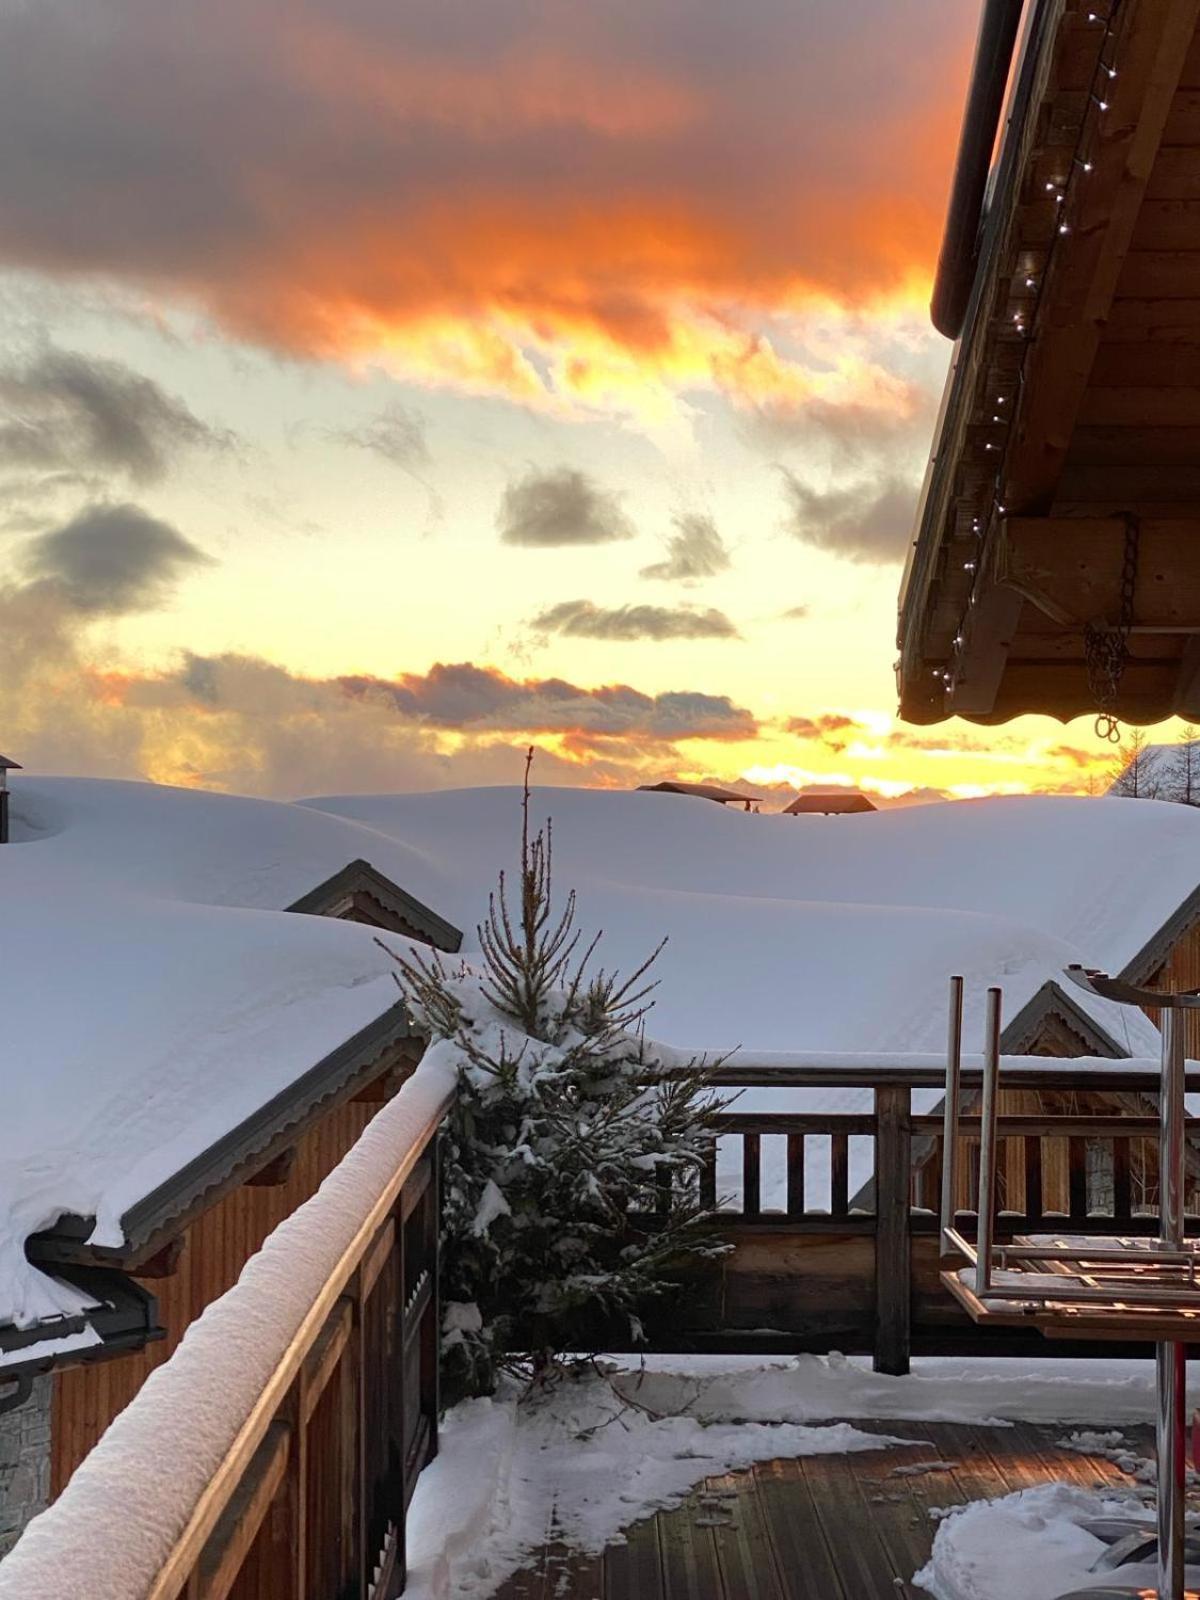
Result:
[834,1247]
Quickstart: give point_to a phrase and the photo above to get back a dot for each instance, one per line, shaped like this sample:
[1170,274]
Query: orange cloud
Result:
[529,198]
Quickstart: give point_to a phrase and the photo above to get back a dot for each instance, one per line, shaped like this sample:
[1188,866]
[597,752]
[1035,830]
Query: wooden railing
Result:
[320,1510]
[307,1501]
[832,1215]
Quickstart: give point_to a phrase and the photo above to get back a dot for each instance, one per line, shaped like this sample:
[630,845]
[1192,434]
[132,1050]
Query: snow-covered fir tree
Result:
[567,1132]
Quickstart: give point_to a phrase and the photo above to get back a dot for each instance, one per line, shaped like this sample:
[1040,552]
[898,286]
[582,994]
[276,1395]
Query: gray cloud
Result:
[580,619]
[868,522]
[461,695]
[560,507]
[109,560]
[694,550]
[397,434]
[64,411]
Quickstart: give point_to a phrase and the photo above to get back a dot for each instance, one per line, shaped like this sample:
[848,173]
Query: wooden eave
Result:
[396,909]
[383,1046]
[1074,397]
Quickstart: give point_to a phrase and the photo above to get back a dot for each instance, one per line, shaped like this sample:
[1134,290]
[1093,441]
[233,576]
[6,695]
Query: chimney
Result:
[6,766]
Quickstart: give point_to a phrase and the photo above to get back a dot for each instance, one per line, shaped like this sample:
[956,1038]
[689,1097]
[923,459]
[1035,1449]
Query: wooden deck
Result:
[839,1527]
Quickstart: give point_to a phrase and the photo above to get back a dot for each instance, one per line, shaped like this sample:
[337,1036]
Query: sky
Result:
[385,387]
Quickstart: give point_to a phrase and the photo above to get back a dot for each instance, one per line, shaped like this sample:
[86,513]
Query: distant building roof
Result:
[703,791]
[829,802]
[12,766]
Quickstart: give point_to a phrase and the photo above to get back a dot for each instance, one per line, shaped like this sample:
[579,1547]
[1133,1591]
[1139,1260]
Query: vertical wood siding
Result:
[218,1244]
[1181,970]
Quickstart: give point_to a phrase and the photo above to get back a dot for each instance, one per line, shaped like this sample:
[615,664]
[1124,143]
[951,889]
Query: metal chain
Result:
[1106,648]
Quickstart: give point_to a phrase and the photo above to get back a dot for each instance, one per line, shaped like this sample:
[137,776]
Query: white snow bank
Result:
[608,1451]
[811,1388]
[833,933]
[1043,861]
[1029,1544]
[583,1452]
[195,845]
[110,1530]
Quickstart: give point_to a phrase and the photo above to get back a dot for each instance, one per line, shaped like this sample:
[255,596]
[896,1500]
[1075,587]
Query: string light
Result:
[1059,188]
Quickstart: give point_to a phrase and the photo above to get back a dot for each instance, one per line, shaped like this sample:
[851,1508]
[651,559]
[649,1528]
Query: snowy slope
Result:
[156,996]
[189,844]
[1039,882]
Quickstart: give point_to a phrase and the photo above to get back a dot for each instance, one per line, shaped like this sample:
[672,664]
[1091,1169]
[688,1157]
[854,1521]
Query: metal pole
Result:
[1171,1147]
[1170,1363]
[987,1146]
[950,1118]
[1170,1427]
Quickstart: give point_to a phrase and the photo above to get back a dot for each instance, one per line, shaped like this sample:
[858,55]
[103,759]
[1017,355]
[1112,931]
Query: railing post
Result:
[893,1244]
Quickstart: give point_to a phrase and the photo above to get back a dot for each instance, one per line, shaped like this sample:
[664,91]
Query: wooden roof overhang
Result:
[1068,448]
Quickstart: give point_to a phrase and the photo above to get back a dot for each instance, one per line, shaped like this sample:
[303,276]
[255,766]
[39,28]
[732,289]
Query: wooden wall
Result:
[218,1244]
[1181,970]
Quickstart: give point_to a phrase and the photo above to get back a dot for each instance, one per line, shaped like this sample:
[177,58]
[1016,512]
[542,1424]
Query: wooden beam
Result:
[323,1362]
[1143,408]
[1176,174]
[1152,364]
[1085,270]
[1187,682]
[987,642]
[277,1171]
[893,1246]
[1160,275]
[1070,569]
[232,1538]
[165,1262]
[382,1088]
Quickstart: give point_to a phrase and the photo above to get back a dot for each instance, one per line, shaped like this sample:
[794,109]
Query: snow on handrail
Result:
[134,1518]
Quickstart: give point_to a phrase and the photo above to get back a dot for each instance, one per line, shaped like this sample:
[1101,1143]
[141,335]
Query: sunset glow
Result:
[453,378]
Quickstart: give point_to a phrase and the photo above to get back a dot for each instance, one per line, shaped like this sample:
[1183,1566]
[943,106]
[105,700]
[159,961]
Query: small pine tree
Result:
[565,1132]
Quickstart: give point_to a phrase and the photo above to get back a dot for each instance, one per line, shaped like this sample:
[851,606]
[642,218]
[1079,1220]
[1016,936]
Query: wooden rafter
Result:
[1083,279]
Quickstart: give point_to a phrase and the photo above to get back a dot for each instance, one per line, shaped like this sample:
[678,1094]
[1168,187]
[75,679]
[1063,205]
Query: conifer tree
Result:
[567,1134]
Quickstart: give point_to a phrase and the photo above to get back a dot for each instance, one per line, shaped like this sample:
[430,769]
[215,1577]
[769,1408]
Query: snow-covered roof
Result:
[197,846]
[778,936]
[157,995]
[153,1006]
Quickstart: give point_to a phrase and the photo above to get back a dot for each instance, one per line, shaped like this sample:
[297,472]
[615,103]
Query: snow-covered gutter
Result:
[134,1517]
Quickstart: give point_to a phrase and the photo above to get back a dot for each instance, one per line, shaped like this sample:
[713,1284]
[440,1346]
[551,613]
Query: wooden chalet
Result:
[702,791]
[829,803]
[186,1242]
[1052,566]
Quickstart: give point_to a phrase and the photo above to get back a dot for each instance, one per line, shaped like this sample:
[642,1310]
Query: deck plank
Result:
[633,1570]
[858,1553]
[745,1556]
[803,1559]
[689,1553]
[838,1527]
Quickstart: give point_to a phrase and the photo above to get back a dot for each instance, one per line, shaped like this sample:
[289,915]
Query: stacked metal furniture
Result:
[1116,1288]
